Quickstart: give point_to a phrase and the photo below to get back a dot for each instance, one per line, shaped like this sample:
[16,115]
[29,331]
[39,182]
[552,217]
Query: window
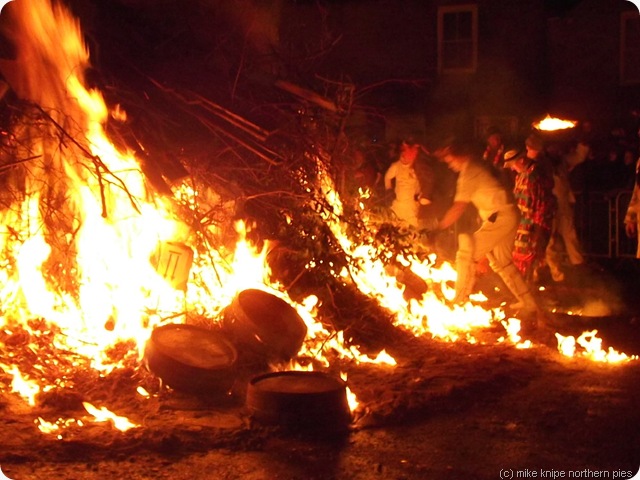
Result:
[630,48]
[457,38]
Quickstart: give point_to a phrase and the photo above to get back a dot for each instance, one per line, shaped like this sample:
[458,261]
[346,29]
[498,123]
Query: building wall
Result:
[585,64]
[533,60]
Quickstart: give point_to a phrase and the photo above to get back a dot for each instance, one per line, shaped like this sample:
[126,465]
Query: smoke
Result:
[596,308]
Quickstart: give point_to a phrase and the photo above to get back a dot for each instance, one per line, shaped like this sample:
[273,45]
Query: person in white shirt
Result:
[401,178]
[495,237]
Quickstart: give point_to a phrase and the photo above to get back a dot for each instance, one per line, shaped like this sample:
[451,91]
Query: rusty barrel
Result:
[299,400]
[264,326]
[192,359]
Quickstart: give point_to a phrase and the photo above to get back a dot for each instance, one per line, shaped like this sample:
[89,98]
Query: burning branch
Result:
[8,166]
[99,165]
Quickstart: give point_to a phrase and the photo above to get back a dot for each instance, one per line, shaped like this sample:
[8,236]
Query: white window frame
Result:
[449,9]
[627,56]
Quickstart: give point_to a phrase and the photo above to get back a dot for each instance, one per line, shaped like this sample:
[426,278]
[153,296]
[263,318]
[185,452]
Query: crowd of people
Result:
[511,207]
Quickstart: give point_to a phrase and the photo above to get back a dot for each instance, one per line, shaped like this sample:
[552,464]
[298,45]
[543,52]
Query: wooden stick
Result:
[307,95]
[8,166]
[236,120]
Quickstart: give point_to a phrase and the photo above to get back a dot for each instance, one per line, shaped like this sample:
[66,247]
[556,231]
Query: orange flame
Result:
[116,222]
[27,389]
[591,348]
[352,400]
[56,427]
[104,415]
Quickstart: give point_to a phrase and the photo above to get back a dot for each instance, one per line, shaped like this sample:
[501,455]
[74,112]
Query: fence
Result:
[599,218]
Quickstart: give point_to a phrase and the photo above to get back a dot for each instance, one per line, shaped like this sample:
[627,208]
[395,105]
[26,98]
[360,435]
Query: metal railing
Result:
[599,219]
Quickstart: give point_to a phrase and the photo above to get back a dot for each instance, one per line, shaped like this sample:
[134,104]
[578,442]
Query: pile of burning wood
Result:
[103,244]
[110,249]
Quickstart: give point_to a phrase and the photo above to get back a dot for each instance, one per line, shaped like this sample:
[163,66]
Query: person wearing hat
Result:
[562,224]
[494,238]
[533,192]
[535,149]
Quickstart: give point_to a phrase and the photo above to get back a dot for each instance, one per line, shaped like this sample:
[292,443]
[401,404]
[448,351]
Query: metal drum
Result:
[265,326]
[191,359]
[299,400]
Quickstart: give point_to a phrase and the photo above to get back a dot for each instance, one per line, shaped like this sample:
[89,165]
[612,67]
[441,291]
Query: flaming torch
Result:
[550,123]
[555,130]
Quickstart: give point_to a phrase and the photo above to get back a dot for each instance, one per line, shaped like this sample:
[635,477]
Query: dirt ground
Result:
[446,411]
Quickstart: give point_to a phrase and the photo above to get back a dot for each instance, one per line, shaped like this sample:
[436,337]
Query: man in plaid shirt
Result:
[533,192]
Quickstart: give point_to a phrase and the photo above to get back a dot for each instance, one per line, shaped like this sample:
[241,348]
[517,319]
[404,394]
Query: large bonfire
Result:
[94,257]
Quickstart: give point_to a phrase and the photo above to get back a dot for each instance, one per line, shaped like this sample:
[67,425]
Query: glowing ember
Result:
[551,123]
[47,427]
[384,358]
[141,391]
[56,428]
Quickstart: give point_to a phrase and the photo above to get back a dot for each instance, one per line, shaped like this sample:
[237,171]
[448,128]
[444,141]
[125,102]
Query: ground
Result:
[446,411]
